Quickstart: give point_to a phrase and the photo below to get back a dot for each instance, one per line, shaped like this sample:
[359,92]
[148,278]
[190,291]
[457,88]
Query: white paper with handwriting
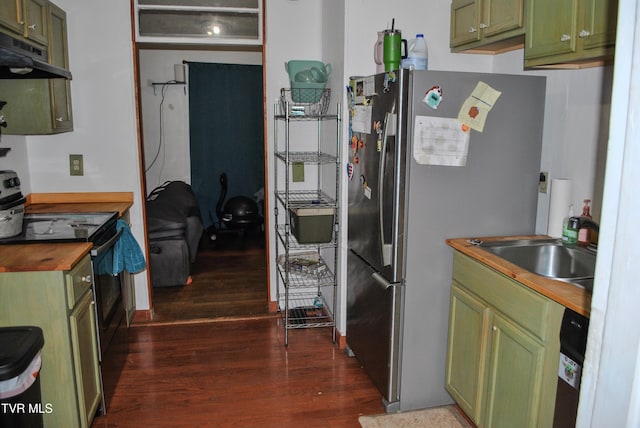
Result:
[439,141]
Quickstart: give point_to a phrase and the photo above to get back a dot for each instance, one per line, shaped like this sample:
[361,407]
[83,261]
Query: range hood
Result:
[20,60]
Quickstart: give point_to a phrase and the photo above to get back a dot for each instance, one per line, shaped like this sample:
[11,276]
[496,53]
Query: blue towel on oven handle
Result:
[127,253]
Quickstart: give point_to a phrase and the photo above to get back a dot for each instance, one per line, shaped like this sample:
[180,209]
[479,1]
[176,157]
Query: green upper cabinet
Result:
[26,18]
[60,89]
[570,33]
[486,25]
[503,348]
[41,106]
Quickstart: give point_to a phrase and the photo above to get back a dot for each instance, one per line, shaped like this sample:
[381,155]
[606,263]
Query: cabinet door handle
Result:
[472,29]
[59,119]
[565,38]
[583,34]
[87,279]
[483,25]
[32,27]
[494,328]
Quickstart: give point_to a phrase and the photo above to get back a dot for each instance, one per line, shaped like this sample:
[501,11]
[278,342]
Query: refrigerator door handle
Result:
[389,131]
[381,280]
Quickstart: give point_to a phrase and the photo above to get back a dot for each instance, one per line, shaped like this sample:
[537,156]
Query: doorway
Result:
[229,276]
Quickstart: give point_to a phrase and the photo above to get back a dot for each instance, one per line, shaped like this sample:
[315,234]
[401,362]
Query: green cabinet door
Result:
[551,27]
[60,89]
[500,16]
[85,353]
[11,15]
[514,378]
[465,20]
[36,21]
[600,22]
[468,319]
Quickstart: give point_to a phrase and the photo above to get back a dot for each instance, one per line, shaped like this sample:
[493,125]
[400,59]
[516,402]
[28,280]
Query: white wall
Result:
[103,99]
[167,141]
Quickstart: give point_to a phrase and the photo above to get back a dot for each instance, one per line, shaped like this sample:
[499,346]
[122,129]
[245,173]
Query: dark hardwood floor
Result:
[238,373]
[229,278]
[214,357]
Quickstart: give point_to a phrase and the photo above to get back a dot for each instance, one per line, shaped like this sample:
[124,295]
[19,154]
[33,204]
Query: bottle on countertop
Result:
[417,54]
[569,228]
[584,234]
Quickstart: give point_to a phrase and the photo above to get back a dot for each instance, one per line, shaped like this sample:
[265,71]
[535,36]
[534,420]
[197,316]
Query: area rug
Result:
[437,417]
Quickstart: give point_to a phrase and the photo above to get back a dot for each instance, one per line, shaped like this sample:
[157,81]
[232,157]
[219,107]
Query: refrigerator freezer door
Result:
[373,325]
[375,204]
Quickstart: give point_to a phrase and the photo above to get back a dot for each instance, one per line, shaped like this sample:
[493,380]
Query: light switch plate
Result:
[76,165]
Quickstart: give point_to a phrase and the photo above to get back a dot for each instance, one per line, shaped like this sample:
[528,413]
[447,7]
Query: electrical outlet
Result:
[76,165]
[543,182]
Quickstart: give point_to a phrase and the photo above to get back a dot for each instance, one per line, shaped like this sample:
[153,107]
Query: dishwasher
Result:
[573,343]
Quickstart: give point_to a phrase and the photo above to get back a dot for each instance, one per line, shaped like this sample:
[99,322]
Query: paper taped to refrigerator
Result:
[361,120]
[475,109]
[439,141]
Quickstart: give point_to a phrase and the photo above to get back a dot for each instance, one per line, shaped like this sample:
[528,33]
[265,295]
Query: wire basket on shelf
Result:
[304,101]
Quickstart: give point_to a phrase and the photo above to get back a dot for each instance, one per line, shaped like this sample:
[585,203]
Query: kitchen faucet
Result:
[586,222]
[582,221]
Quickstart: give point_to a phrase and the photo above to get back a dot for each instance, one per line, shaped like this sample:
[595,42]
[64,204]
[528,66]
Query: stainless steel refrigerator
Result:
[417,176]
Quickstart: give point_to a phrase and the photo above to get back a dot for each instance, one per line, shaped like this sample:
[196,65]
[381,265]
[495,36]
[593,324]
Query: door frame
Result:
[148,315]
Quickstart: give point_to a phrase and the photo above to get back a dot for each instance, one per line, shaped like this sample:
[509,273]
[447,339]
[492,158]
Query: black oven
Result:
[110,313]
[107,289]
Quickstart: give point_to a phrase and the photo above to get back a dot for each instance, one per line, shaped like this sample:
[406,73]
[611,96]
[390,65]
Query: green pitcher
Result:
[392,49]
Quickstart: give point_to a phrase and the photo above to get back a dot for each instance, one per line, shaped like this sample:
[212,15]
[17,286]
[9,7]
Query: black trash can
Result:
[20,397]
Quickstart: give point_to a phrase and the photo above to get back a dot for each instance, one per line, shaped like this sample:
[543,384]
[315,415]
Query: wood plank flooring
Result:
[229,278]
[238,374]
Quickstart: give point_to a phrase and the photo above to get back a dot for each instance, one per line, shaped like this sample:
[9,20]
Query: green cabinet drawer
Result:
[513,299]
[78,280]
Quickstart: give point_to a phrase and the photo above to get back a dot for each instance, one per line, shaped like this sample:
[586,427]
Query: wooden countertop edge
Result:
[79,197]
[42,257]
[120,202]
[568,295]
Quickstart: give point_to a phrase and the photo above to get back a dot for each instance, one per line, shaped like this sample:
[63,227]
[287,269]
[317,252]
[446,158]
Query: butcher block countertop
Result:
[568,295]
[63,256]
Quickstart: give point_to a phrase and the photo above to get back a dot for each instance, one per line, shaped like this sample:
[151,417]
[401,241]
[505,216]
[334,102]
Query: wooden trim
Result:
[341,340]
[142,316]
[273,306]
[80,197]
[135,51]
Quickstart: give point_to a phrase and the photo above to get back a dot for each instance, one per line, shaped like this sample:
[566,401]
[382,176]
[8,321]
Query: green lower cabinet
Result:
[61,304]
[515,377]
[466,350]
[503,348]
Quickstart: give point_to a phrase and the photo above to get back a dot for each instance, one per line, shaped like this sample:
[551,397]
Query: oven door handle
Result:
[96,251]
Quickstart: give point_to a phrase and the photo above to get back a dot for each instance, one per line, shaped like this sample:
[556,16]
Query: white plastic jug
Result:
[417,55]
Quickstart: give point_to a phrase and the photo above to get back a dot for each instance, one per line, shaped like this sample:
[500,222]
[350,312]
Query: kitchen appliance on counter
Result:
[406,197]
[99,228]
[11,204]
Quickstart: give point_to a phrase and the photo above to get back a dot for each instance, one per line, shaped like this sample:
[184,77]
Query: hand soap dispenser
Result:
[569,228]
[584,234]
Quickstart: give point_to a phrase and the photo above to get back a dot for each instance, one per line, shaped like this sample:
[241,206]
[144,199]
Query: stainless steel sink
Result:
[549,258]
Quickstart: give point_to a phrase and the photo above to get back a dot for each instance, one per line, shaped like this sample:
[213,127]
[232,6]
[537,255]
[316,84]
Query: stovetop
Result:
[64,227]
